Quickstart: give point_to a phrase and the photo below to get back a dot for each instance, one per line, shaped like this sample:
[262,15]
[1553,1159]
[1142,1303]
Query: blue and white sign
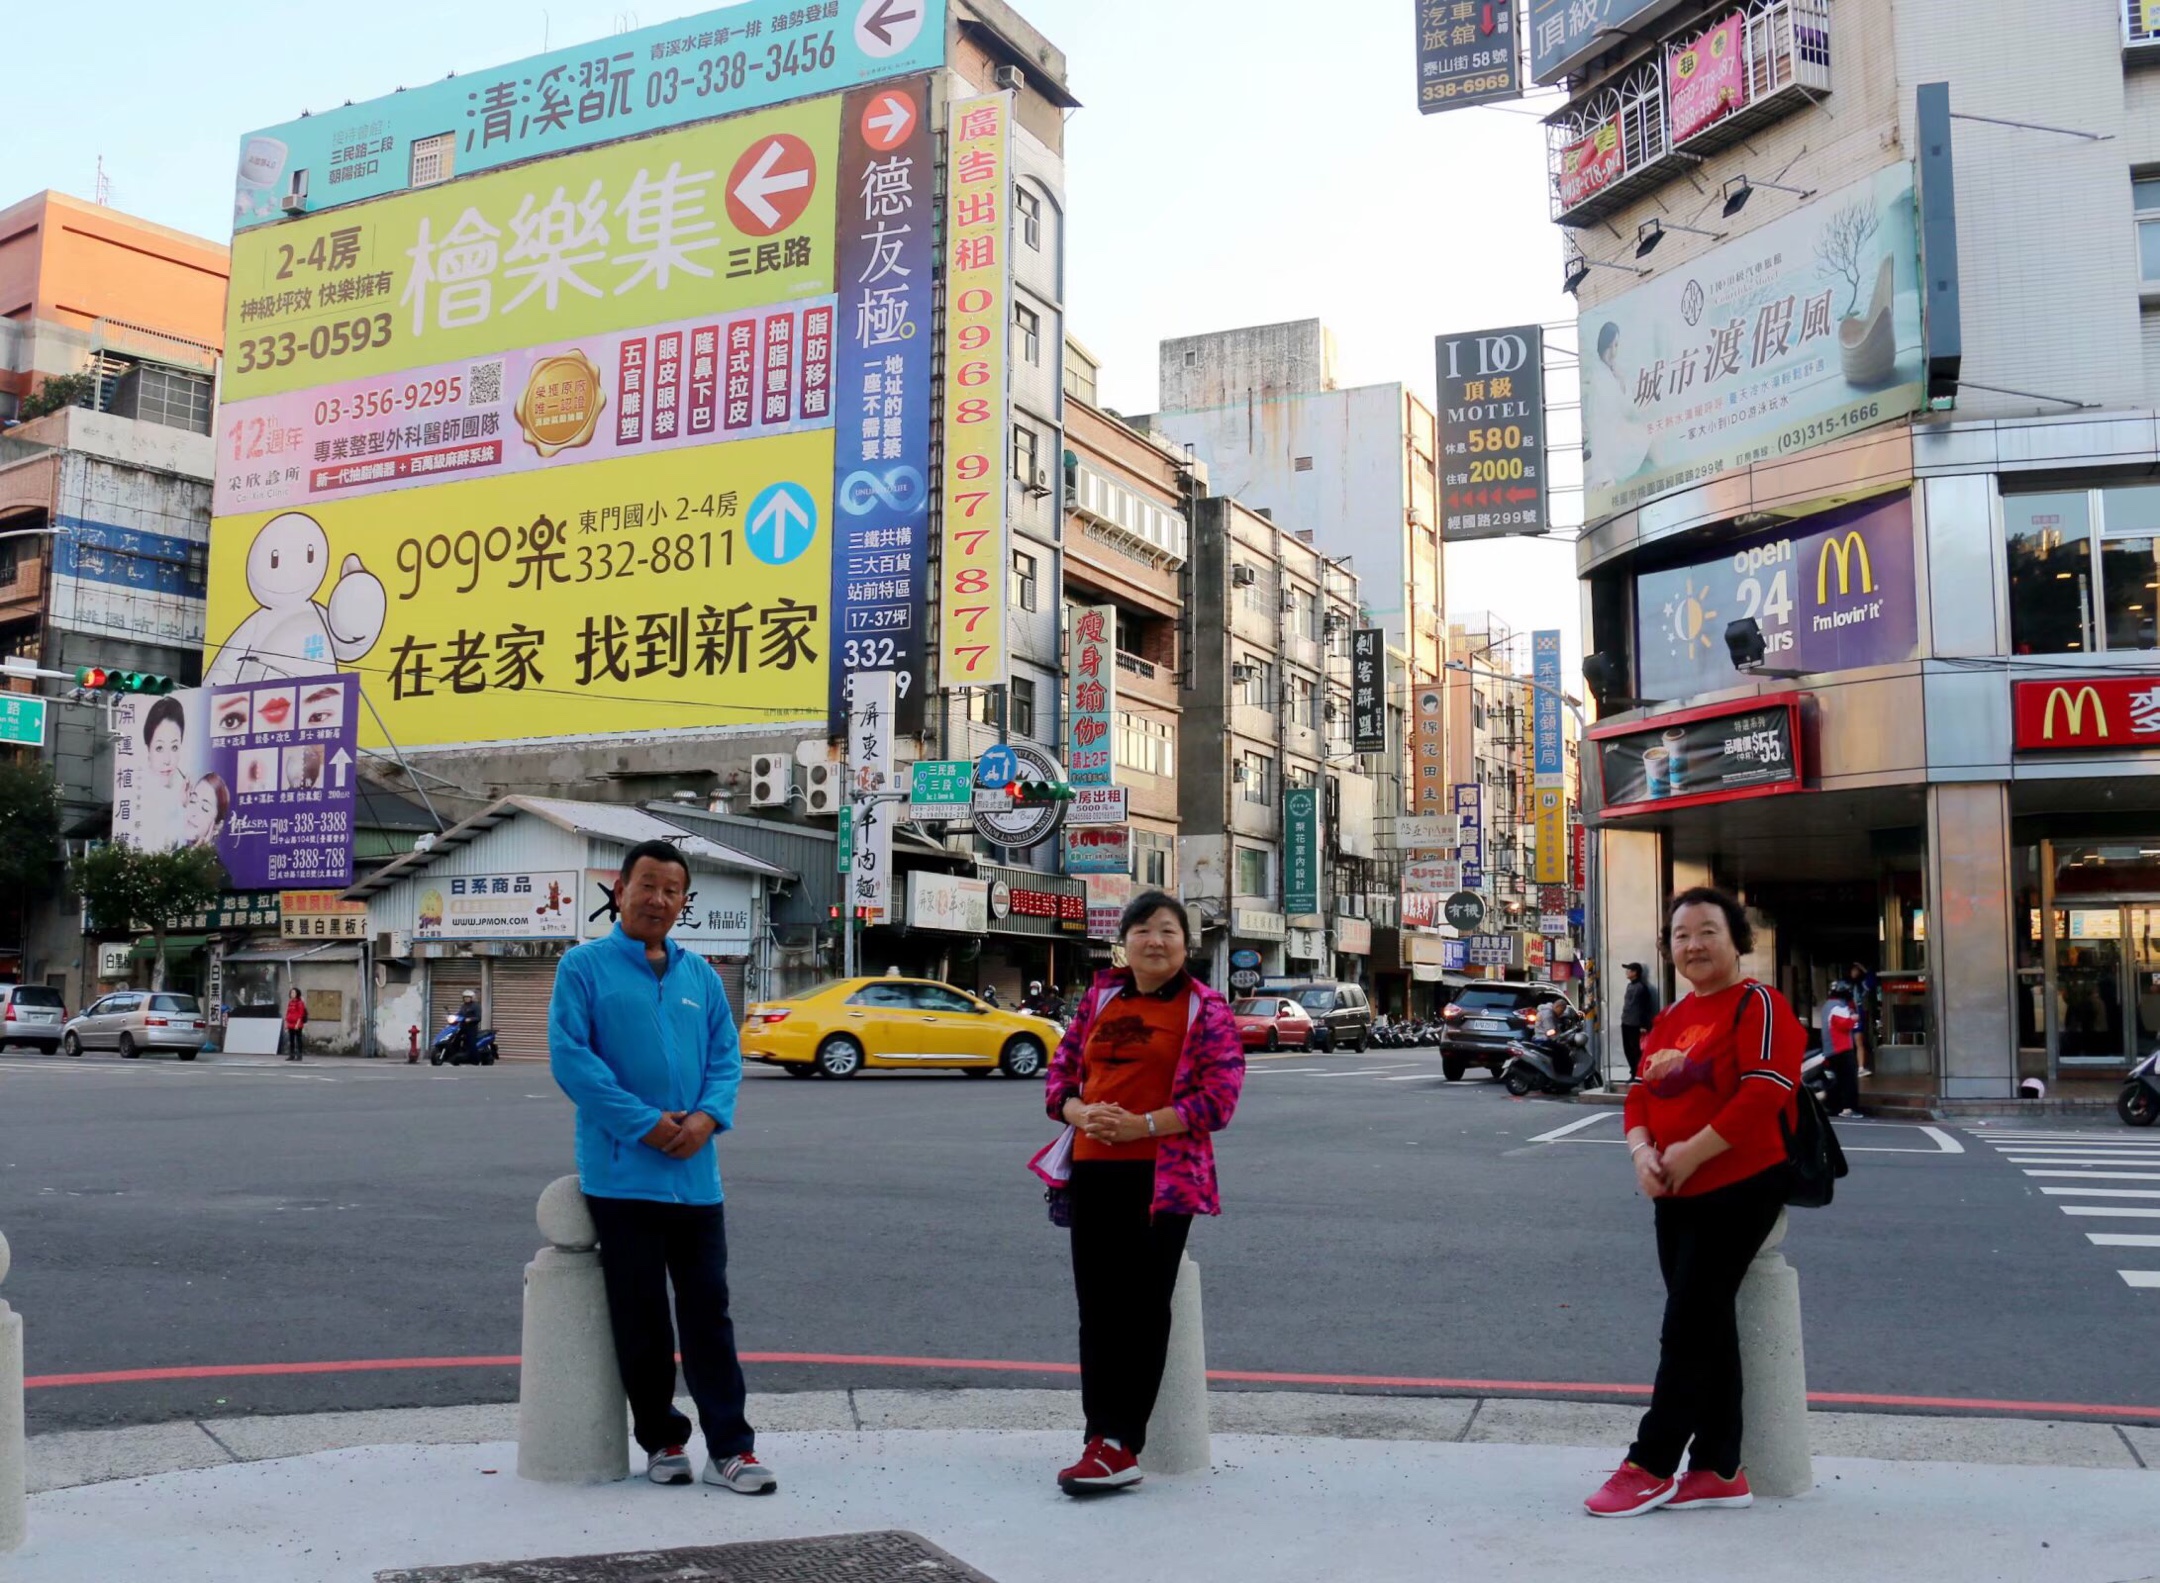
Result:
[1549,762]
[1000,766]
[782,523]
[740,57]
[1565,32]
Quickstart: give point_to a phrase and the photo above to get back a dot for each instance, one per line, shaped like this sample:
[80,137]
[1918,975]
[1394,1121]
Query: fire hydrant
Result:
[412,1053]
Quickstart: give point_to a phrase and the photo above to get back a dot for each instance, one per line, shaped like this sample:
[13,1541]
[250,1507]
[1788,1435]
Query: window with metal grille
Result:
[1024,580]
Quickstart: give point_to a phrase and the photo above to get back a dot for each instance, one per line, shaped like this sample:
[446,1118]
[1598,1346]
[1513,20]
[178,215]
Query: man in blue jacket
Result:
[641,1039]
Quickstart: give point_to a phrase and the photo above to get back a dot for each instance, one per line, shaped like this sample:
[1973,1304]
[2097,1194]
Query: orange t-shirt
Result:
[1131,1059]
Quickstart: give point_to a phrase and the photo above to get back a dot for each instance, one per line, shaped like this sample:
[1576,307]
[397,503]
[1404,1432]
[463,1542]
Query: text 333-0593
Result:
[319,344]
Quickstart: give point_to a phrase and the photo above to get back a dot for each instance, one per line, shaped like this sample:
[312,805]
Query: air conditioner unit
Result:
[1334,621]
[1243,576]
[772,777]
[1009,77]
[821,790]
[1241,673]
[1038,483]
[1331,709]
[1072,499]
[1289,598]
[1237,772]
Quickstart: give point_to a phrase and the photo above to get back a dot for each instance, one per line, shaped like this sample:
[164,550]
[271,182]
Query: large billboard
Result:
[1719,753]
[1492,432]
[1466,54]
[1803,331]
[722,62]
[1833,592]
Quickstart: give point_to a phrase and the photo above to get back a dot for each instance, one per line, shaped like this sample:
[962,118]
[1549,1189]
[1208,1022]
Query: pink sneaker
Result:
[1629,1493]
[1701,1488]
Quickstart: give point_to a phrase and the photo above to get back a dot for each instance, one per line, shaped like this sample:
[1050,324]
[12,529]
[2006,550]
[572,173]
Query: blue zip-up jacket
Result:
[626,1043]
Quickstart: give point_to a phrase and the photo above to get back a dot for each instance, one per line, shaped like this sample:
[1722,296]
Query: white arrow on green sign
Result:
[22,720]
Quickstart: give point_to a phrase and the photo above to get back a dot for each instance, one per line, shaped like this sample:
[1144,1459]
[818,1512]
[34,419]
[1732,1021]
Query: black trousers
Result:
[1125,1266]
[1631,1047]
[293,1036]
[1844,1086]
[643,1246]
[1704,1245]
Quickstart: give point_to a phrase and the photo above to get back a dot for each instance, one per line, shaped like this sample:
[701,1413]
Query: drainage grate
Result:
[890,1557]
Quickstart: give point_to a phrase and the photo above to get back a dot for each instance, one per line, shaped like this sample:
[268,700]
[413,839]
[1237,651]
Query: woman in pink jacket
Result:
[1149,1070]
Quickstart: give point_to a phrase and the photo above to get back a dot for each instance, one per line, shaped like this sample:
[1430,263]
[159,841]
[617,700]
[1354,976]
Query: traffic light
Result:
[100,680]
[1040,794]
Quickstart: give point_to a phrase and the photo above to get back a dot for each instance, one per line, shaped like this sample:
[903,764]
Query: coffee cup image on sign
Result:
[231,714]
[303,767]
[1656,772]
[321,708]
[1676,761]
[257,769]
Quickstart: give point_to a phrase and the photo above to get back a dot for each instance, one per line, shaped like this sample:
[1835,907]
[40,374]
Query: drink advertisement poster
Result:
[1701,756]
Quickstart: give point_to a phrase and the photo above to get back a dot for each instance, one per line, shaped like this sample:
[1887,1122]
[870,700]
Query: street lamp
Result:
[33,533]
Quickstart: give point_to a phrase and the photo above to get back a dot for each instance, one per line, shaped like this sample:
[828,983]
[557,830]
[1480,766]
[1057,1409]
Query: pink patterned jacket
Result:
[1210,1075]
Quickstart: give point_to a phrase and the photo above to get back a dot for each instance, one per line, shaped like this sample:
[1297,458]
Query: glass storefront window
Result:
[2049,541]
[2131,585]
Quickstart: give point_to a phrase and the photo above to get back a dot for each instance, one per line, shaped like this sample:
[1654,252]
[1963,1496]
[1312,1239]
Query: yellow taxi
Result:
[843,1027]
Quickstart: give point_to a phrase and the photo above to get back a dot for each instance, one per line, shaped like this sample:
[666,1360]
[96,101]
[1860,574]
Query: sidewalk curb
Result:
[69,1459]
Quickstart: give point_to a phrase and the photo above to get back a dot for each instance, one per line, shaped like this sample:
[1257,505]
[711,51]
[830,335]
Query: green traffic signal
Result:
[1039,794]
[98,679]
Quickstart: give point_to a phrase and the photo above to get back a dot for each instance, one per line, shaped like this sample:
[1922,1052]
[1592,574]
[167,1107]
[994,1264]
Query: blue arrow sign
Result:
[782,524]
[998,767]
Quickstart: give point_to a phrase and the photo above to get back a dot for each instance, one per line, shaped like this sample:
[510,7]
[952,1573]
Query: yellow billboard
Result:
[678,589]
[1551,832]
[729,214]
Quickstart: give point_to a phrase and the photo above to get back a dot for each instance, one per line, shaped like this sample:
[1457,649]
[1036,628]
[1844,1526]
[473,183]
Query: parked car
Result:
[1272,1022]
[840,1029]
[1477,1026]
[31,1014]
[1341,1014]
[134,1020]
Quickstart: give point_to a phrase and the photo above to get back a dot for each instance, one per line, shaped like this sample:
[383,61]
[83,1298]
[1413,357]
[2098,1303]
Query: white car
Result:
[31,1014]
[134,1020]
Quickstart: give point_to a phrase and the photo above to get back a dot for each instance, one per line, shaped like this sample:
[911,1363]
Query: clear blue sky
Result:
[1235,162]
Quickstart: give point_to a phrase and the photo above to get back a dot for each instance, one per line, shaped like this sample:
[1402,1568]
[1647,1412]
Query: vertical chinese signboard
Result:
[870,791]
[972,591]
[1301,851]
[1430,751]
[1368,690]
[1549,758]
[1092,699]
[1470,822]
[1492,433]
[881,393]
[1466,53]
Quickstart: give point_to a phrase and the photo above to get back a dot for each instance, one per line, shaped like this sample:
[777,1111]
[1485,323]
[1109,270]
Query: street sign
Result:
[1092,805]
[22,720]
[1245,961]
[940,790]
[1465,910]
[1245,978]
[1020,825]
[845,852]
[1000,766]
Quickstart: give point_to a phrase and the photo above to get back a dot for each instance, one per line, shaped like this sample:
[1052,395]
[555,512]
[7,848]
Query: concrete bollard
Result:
[1178,1430]
[14,1516]
[1773,1365]
[573,1421]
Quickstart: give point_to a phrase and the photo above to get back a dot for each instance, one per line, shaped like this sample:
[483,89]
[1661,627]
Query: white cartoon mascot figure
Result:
[291,634]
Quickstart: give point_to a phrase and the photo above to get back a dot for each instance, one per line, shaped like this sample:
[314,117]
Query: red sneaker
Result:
[1629,1493]
[1102,1466]
[1701,1488]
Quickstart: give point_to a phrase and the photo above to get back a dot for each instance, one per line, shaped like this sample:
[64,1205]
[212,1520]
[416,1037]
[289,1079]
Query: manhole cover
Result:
[838,1558]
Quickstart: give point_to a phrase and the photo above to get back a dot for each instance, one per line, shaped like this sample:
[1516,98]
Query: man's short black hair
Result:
[1146,905]
[660,852]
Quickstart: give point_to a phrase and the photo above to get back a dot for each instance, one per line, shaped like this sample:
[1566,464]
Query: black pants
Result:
[643,1246]
[293,1036]
[1631,1047]
[1125,1266]
[1704,1245]
[1844,1086]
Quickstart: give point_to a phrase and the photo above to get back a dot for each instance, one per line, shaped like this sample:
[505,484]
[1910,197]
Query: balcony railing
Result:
[1609,148]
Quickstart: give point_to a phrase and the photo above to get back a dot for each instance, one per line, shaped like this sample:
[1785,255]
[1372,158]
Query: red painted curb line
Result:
[1564,1388]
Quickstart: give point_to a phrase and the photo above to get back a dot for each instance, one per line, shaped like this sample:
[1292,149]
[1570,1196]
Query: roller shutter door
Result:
[518,991]
[447,983]
[730,970]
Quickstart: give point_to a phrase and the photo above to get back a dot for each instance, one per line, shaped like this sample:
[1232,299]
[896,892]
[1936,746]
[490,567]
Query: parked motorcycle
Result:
[1561,1064]
[2139,1102]
[448,1048]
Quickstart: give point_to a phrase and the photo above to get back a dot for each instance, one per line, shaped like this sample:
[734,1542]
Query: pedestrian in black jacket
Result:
[1638,1009]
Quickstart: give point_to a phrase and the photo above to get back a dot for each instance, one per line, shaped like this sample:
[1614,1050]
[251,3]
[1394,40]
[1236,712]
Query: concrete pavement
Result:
[1303,1486]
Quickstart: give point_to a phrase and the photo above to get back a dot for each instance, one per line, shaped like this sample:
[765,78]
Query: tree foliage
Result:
[124,886]
[29,826]
[58,390]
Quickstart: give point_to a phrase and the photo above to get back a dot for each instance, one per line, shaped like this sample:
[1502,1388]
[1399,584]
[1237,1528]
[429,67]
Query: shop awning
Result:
[175,945]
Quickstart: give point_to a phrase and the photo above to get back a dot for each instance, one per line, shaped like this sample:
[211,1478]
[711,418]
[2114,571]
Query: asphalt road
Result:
[1380,1222]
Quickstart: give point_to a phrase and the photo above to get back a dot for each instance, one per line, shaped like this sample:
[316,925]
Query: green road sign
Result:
[846,843]
[943,781]
[22,720]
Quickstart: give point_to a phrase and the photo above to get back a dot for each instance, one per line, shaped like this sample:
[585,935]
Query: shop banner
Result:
[1805,330]
[1701,756]
[1565,32]
[1551,830]
[1107,895]
[715,919]
[1428,832]
[871,696]
[731,215]
[1353,936]
[682,589]
[973,581]
[1590,163]
[1103,849]
[1091,698]
[1833,592]
[947,901]
[1549,753]
[1439,874]
[1368,690]
[531,905]
[2076,713]
[1470,821]
[262,773]
[1466,54]
[1705,78]
[881,390]
[1428,713]
[716,63]
[1492,433]
[1098,805]
[1301,851]
[320,915]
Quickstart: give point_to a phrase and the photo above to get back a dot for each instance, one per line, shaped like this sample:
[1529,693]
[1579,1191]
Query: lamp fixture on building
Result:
[1744,641]
[1606,675]
[1579,267]
[1740,189]
[1652,232]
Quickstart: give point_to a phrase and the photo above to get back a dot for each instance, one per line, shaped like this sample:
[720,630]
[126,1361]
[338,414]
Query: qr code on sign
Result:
[486,383]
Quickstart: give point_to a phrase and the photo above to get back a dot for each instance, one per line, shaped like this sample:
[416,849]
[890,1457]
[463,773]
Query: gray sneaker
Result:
[745,1475]
[671,1465]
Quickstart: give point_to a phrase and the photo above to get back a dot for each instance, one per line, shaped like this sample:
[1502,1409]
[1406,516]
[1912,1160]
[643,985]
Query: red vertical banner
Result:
[740,389]
[704,379]
[667,384]
[815,380]
[630,394]
[779,367]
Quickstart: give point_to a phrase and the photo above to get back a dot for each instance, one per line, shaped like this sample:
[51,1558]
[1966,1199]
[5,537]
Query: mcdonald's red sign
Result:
[2073,713]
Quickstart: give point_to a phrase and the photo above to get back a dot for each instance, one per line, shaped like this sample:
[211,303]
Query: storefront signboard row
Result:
[2082,713]
[1715,754]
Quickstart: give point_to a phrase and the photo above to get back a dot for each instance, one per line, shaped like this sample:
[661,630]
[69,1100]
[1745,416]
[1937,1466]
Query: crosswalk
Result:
[2083,1173]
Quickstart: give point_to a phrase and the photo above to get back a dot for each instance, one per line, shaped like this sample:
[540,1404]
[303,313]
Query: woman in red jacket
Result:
[1720,1069]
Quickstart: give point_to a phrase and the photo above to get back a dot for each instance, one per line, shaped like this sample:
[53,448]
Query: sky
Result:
[1234,162]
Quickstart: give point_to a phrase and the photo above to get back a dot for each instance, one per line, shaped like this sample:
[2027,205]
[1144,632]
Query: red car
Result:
[1270,1022]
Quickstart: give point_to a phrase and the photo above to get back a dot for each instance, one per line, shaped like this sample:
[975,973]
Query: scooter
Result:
[2139,1102]
[1561,1064]
[447,1049]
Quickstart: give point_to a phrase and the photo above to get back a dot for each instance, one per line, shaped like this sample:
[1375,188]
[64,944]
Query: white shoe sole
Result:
[1713,1502]
[665,1476]
[1110,1481]
[765,1484]
[1643,1510]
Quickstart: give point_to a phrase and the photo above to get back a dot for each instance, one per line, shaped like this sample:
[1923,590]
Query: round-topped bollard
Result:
[1773,1373]
[14,1509]
[573,1421]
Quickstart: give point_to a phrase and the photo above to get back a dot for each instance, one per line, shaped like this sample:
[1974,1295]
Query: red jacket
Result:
[296,1014]
[1733,1065]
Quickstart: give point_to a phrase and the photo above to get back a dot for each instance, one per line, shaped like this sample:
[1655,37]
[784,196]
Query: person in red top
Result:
[295,1025]
[1841,1047]
[1720,1072]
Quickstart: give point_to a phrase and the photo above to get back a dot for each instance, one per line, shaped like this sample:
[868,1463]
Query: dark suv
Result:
[1342,1016]
[1478,1024]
